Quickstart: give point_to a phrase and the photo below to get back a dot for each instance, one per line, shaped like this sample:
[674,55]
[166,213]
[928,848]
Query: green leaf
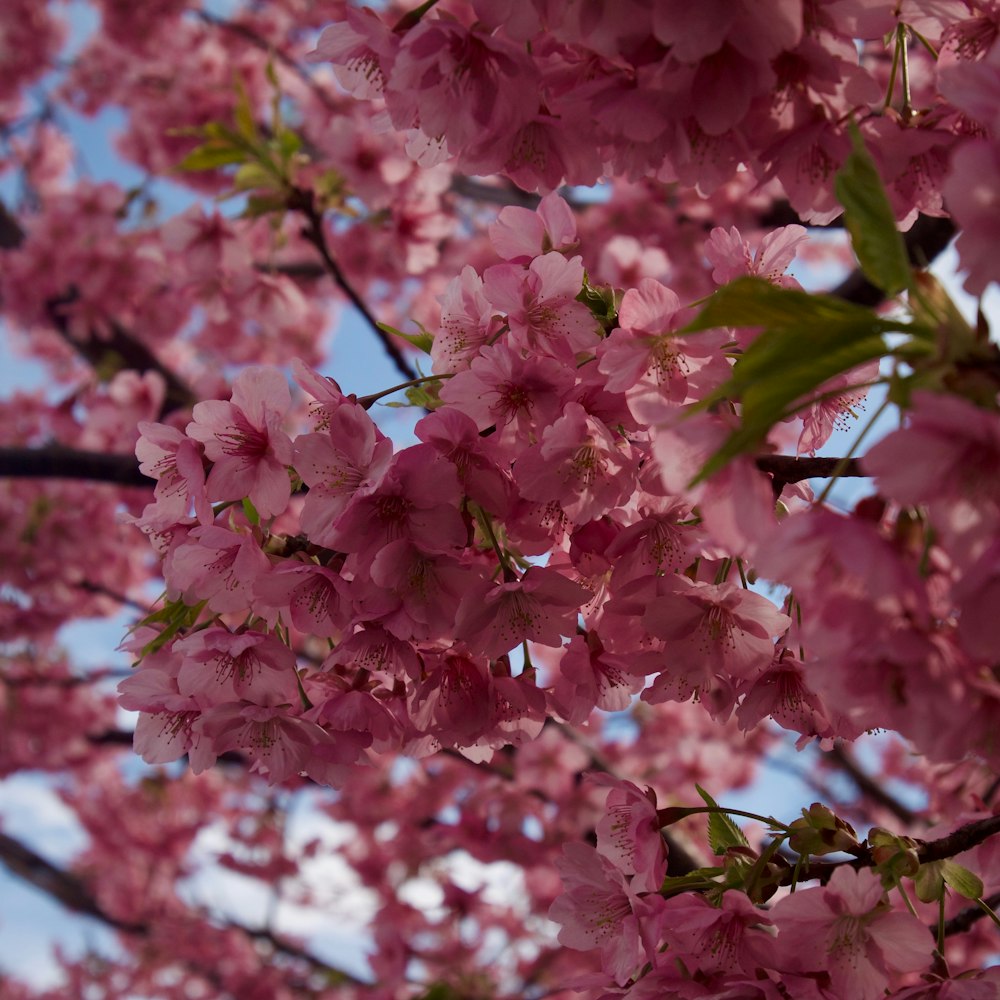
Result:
[251,512]
[175,616]
[806,341]
[964,882]
[870,220]
[253,177]
[422,341]
[212,155]
[243,115]
[700,878]
[722,831]
[263,204]
[928,882]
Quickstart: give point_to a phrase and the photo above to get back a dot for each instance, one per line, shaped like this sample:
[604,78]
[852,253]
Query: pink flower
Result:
[520,396]
[540,607]
[579,464]
[175,462]
[461,85]
[314,597]
[727,938]
[591,678]
[416,499]
[541,307]
[467,323]
[847,928]
[841,396]
[520,234]
[455,435]
[245,441]
[361,49]
[600,910]
[217,565]
[340,466]
[656,370]
[628,834]
[711,629]
[731,255]
[276,742]
[219,665]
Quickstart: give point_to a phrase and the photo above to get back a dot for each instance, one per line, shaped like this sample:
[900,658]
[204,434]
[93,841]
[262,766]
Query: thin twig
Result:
[258,41]
[962,921]
[303,201]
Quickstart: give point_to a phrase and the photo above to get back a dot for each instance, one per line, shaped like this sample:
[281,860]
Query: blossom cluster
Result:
[541,551]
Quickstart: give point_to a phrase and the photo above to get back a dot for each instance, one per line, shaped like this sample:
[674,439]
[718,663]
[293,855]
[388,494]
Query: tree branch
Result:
[961,922]
[303,201]
[72,893]
[56,462]
[846,763]
[791,469]
[117,349]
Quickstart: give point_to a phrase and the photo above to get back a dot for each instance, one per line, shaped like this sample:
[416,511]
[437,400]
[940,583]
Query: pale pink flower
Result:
[175,462]
[732,257]
[600,910]
[276,742]
[628,834]
[453,701]
[591,678]
[361,49]
[420,593]
[461,84]
[314,597]
[835,411]
[165,729]
[417,499]
[220,666]
[326,393]
[217,565]
[848,929]
[656,370]
[245,441]
[782,693]
[520,234]
[467,323]
[455,435]
[737,503]
[519,396]
[541,307]
[345,463]
[727,938]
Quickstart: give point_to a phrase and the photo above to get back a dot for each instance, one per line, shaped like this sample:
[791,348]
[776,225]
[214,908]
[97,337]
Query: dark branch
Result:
[118,350]
[964,838]
[961,922]
[846,763]
[113,350]
[790,469]
[56,462]
[926,239]
[303,201]
[71,892]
